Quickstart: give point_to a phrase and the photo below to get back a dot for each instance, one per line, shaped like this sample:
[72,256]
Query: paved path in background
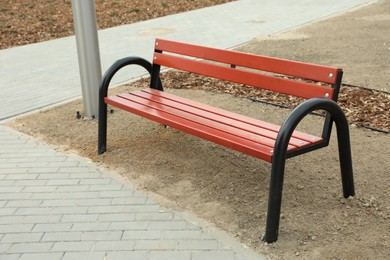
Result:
[60,206]
[38,75]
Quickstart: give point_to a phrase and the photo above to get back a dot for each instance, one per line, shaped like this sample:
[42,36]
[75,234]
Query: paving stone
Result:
[40,189]
[169,255]
[41,219]
[156,245]
[63,182]
[124,208]
[170,225]
[21,237]
[129,201]
[10,189]
[118,217]
[58,203]
[52,227]
[95,181]
[90,226]
[69,210]
[30,182]
[182,234]
[114,246]
[84,256]
[30,248]
[72,246]
[198,245]
[33,211]
[135,255]
[10,219]
[141,234]
[116,194]
[16,228]
[41,256]
[4,247]
[47,170]
[94,202]
[7,211]
[106,187]
[130,225]
[73,188]
[79,218]
[10,257]
[62,236]
[102,235]
[154,216]
[219,255]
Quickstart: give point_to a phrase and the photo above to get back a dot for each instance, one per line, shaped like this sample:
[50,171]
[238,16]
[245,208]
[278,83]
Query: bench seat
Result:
[241,133]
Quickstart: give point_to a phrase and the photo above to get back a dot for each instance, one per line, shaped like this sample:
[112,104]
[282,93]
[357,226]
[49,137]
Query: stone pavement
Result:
[60,206]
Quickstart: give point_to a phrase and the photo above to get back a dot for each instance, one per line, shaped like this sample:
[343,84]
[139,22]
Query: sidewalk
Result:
[61,206]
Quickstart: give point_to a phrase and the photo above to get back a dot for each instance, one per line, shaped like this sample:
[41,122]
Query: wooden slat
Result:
[182,112]
[264,63]
[240,118]
[207,122]
[282,85]
[231,125]
[260,151]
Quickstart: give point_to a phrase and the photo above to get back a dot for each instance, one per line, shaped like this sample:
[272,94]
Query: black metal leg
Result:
[102,130]
[275,197]
[345,156]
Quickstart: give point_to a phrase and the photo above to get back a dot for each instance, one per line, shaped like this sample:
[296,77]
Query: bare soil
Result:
[229,189]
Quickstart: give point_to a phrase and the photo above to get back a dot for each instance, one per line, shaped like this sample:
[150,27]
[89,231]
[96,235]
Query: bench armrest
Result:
[119,64]
[343,137]
[307,107]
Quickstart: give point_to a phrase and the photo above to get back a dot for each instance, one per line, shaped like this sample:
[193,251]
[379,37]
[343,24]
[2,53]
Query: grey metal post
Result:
[84,16]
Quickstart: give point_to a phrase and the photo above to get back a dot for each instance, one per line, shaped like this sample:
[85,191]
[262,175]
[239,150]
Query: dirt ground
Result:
[229,189]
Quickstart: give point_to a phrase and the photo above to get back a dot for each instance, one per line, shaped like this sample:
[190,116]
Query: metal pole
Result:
[84,16]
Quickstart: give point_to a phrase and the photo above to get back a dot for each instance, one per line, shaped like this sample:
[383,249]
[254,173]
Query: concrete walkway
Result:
[60,206]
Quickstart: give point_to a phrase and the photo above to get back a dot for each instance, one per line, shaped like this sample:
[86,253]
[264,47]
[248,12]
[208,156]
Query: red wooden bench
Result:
[256,138]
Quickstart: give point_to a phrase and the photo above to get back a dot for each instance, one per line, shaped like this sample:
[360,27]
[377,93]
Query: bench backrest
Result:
[280,75]
[233,66]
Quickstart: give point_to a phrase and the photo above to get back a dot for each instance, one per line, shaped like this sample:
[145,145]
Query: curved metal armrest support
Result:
[307,107]
[103,91]
[280,155]
[119,64]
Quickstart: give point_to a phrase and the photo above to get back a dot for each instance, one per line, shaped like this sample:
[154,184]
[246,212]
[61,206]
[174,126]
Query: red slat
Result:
[180,111]
[233,126]
[275,65]
[216,136]
[282,85]
[240,118]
